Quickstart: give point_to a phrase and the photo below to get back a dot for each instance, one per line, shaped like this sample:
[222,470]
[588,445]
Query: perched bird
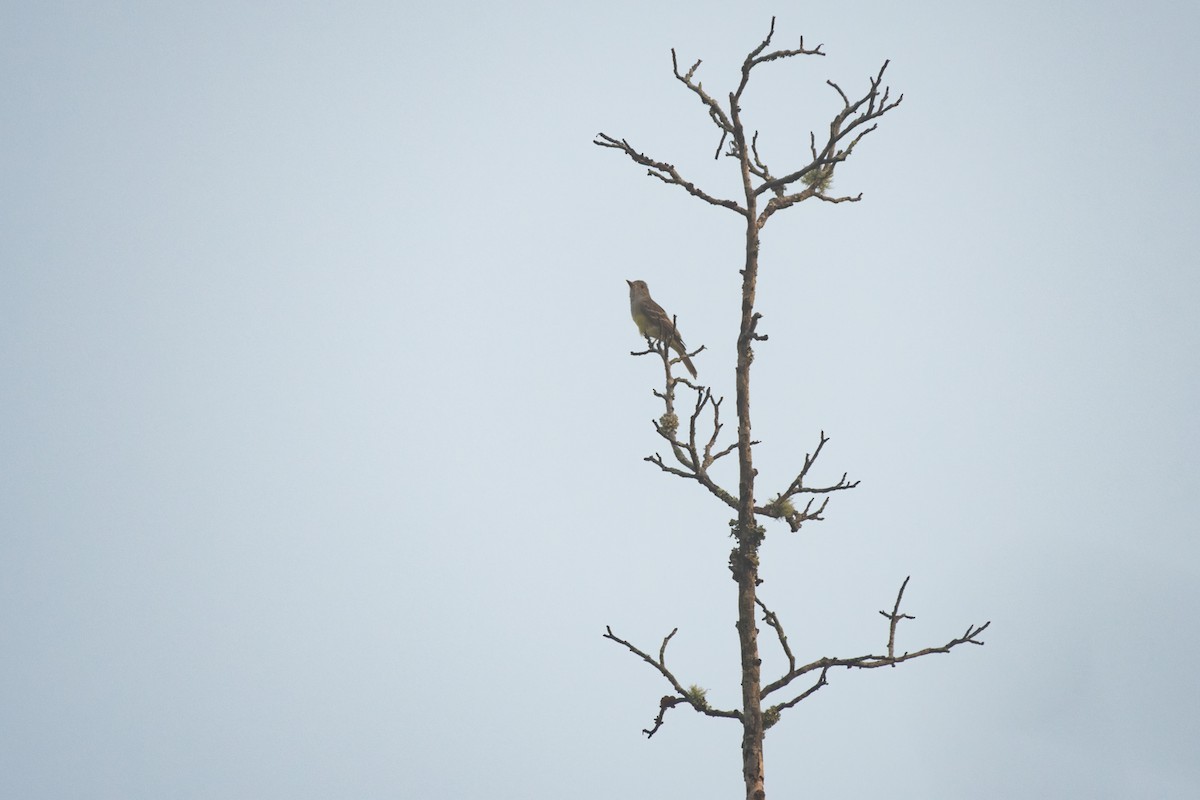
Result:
[655,323]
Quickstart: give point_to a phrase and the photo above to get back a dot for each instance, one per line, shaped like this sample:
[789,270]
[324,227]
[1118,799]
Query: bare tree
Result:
[693,452]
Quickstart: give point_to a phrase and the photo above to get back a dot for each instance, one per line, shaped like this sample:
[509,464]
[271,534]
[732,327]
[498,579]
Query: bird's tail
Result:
[677,346]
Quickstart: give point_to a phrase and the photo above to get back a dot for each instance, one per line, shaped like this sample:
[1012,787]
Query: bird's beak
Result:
[629,282]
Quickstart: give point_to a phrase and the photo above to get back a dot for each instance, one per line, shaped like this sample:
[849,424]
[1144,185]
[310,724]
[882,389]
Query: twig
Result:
[894,619]
[821,681]
[771,619]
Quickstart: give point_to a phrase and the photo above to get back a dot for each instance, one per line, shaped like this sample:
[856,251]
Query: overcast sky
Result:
[321,444]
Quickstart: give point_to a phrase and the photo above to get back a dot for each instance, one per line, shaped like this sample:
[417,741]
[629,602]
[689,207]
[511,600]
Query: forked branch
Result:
[697,453]
[783,507]
[693,695]
[870,661]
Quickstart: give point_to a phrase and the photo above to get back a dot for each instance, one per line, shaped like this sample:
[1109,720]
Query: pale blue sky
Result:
[321,469]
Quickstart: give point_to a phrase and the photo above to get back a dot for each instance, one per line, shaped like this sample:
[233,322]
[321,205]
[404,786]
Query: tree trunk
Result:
[745,557]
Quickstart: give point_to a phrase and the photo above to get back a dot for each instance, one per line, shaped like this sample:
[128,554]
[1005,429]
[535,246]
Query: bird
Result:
[654,323]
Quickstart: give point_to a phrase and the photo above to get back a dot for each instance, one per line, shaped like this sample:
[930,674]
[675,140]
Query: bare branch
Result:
[657,460]
[798,486]
[664,172]
[722,453]
[781,507]
[668,424]
[809,460]
[700,477]
[715,112]
[709,457]
[873,661]
[771,619]
[846,130]
[659,665]
[821,681]
[894,619]
[726,121]
[667,702]
[782,201]
[846,199]
[757,166]
[694,457]
[755,57]
[681,695]
[845,100]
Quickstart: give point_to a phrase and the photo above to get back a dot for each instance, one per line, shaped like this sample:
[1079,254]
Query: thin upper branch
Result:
[715,112]
[846,130]
[726,121]
[665,172]
[756,57]
[798,486]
